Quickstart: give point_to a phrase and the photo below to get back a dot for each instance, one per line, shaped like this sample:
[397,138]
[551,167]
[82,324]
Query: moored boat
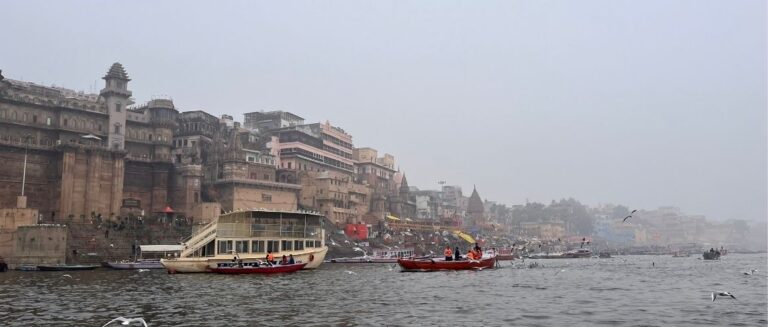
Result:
[251,234]
[255,268]
[65,267]
[413,264]
[138,264]
[506,254]
[158,251]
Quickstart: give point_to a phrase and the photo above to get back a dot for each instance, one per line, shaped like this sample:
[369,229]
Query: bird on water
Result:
[721,293]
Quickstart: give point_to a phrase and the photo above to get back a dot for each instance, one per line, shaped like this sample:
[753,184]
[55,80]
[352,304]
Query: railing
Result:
[268,230]
[199,239]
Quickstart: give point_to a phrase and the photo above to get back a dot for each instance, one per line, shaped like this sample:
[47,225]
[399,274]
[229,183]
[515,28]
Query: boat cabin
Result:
[254,233]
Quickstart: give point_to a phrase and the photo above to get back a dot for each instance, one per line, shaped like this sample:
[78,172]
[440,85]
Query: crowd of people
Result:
[474,253]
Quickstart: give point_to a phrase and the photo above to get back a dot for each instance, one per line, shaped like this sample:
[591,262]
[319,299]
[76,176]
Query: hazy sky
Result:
[643,103]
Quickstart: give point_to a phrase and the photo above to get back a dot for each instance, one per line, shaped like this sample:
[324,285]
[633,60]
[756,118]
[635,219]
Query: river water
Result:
[620,291]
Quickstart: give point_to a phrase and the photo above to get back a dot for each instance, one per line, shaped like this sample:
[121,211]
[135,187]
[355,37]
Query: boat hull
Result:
[312,258]
[135,265]
[277,269]
[711,256]
[436,265]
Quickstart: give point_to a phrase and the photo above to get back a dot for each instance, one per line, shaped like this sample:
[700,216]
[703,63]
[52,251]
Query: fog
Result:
[645,104]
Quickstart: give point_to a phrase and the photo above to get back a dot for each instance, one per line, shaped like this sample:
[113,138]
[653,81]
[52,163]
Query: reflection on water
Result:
[620,291]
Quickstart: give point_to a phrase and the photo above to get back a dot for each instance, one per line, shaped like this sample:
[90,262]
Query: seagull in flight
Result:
[66,275]
[721,293]
[350,272]
[629,216]
[127,321]
[751,271]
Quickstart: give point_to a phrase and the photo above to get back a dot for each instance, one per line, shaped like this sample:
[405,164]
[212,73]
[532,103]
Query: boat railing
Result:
[199,239]
[208,225]
[230,230]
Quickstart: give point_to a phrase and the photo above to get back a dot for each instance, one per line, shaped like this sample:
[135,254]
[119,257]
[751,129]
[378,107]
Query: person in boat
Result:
[471,254]
[448,253]
[270,258]
[477,248]
[290,260]
[456,254]
[285,260]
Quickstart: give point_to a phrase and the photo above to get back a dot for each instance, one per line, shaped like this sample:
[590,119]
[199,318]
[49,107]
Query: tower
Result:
[117,97]
[475,209]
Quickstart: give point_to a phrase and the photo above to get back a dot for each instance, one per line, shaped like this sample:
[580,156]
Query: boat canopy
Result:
[392,217]
[465,236]
[161,248]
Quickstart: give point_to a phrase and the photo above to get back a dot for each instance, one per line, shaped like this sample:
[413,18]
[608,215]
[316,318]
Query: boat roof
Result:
[161,248]
[303,212]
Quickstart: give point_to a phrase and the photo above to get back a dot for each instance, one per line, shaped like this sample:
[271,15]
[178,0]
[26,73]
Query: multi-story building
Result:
[99,154]
[319,158]
[87,152]
[270,120]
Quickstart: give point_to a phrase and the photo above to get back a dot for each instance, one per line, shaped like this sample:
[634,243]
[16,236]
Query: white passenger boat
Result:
[251,234]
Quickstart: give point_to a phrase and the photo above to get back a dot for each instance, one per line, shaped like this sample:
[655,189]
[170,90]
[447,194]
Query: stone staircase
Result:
[90,243]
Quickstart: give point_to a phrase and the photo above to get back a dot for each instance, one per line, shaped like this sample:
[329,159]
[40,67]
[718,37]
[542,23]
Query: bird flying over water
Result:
[629,216]
[721,293]
[751,271]
[127,321]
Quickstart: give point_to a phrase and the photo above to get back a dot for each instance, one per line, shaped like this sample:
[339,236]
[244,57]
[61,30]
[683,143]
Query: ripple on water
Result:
[587,292]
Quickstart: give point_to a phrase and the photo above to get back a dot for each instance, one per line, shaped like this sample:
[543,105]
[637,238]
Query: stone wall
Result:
[234,197]
[39,244]
[10,221]
[41,169]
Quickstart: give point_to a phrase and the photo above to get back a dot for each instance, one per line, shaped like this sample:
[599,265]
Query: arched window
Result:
[14,116]
[117,128]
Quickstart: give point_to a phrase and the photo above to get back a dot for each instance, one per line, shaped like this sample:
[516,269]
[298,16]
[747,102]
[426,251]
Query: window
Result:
[318,244]
[298,245]
[266,197]
[287,245]
[150,137]
[266,177]
[185,142]
[34,118]
[48,121]
[241,246]
[117,128]
[309,244]
[26,116]
[118,106]
[225,247]
[197,195]
[257,246]
[273,246]
[66,122]
[289,165]
[99,127]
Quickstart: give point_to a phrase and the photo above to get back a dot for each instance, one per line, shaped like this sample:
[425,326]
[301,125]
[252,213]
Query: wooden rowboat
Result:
[249,268]
[435,265]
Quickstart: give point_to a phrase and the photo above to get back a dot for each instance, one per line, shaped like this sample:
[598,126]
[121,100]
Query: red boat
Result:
[253,268]
[434,264]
